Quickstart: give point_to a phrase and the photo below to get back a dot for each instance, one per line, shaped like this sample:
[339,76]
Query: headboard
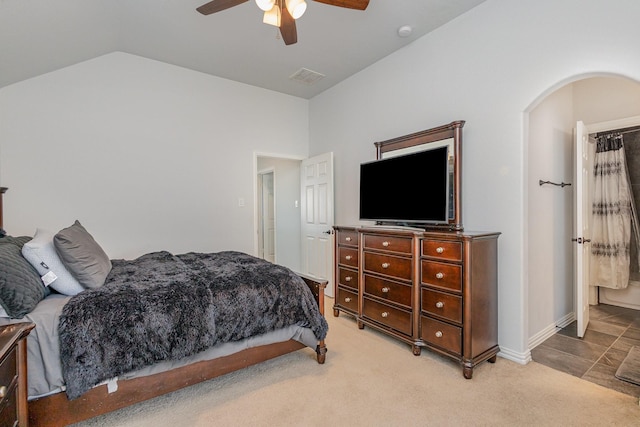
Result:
[2,191]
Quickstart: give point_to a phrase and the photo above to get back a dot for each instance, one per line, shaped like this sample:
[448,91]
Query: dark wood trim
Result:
[452,130]
[57,411]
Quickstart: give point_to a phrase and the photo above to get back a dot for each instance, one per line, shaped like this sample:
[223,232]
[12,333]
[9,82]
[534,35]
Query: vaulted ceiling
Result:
[40,36]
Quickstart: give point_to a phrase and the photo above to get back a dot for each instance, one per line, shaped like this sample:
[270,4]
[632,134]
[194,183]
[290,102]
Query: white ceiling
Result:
[39,36]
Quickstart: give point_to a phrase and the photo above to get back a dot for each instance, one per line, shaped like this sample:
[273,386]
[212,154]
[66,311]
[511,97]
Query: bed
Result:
[156,324]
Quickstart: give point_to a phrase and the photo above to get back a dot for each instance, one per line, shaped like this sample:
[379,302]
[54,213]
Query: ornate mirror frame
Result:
[451,135]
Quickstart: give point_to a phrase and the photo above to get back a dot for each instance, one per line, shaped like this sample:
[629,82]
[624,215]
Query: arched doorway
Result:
[549,156]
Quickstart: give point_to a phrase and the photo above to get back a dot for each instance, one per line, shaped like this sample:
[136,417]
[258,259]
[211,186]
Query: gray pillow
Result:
[20,286]
[82,256]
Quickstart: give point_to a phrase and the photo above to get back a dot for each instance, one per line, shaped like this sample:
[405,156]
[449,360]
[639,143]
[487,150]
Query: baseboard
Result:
[541,336]
[514,356]
[551,330]
[566,320]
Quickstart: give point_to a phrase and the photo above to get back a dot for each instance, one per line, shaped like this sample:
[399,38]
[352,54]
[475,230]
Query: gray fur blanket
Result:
[165,307]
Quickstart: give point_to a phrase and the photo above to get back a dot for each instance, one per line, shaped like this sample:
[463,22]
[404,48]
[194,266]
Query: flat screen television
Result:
[408,190]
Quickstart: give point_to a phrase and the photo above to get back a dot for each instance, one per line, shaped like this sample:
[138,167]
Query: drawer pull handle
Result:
[439,275]
[348,257]
[439,304]
[385,243]
[386,265]
[3,391]
[347,299]
[440,249]
[347,279]
[385,290]
[347,239]
[385,314]
[438,334]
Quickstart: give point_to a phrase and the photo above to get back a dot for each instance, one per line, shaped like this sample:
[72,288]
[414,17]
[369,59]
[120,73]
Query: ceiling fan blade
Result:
[218,5]
[288,28]
[350,4]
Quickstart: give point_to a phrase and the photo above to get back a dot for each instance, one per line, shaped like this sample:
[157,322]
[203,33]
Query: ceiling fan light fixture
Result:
[273,16]
[296,8]
[265,5]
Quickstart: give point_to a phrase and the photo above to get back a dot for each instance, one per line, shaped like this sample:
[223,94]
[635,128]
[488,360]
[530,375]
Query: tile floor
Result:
[612,331]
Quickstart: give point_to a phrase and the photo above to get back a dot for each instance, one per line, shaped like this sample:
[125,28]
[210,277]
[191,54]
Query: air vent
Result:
[306,76]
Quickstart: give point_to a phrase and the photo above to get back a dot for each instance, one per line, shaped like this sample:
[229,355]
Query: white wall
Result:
[287,194]
[148,156]
[548,247]
[488,67]
[604,99]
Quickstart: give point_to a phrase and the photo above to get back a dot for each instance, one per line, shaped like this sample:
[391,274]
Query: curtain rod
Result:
[618,131]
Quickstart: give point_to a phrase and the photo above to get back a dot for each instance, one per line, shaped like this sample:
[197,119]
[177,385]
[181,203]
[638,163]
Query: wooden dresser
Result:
[13,374]
[430,289]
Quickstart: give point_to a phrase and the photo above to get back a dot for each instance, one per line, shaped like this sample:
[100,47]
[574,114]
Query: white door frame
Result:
[261,214]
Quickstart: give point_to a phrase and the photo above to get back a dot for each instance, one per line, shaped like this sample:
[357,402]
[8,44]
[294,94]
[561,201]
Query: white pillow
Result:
[42,255]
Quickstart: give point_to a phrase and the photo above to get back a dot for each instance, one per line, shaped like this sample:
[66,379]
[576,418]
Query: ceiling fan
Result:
[281,13]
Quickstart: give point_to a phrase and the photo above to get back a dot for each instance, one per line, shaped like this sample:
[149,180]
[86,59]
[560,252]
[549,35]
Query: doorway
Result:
[629,129]
[549,209]
[285,208]
[303,213]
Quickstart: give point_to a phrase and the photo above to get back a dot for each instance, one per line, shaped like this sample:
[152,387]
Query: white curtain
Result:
[611,215]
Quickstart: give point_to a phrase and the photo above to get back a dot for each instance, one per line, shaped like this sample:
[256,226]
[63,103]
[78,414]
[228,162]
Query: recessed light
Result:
[404,31]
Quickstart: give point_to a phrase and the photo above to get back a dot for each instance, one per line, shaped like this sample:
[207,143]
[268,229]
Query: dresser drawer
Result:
[442,305]
[441,275]
[348,278]
[9,368]
[9,408]
[347,299]
[9,379]
[394,318]
[442,335]
[347,237]
[348,256]
[390,265]
[399,293]
[388,243]
[442,249]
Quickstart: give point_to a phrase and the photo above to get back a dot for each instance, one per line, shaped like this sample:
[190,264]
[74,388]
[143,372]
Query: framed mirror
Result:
[449,136]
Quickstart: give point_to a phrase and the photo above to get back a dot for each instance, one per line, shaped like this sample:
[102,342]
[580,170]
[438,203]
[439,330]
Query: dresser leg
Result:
[360,325]
[416,350]
[336,312]
[493,359]
[467,371]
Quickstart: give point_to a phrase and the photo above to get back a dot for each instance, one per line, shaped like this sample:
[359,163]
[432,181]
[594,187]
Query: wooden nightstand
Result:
[13,374]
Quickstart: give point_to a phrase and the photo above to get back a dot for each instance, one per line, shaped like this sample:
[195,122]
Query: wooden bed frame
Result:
[56,410]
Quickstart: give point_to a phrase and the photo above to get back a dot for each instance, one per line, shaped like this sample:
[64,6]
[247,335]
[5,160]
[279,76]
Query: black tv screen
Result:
[407,189]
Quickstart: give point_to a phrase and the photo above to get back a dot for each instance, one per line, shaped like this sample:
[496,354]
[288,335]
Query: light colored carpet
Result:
[372,380]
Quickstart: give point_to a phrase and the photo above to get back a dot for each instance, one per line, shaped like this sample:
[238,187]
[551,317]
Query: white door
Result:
[582,234]
[316,185]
